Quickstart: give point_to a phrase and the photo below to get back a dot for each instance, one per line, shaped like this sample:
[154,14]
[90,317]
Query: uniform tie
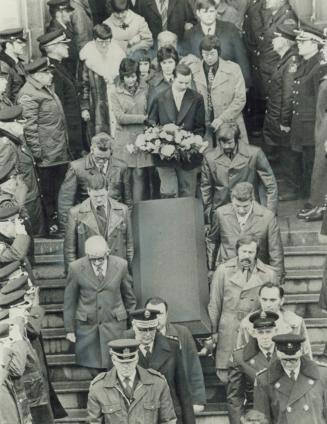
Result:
[147,353]
[164,13]
[127,388]
[292,375]
[268,356]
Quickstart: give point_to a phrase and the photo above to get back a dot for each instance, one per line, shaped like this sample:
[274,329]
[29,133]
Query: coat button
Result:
[306,407]
[289,409]
[277,385]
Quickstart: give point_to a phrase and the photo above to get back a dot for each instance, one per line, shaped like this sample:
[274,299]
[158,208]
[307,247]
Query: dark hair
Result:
[127,67]
[243,191]
[270,285]
[205,4]
[142,56]
[102,141]
[246,240]
[96,182]
[210,42]
[102,31]
[226,127]
[183,69]
[168,52]
[156,300]
[119,5]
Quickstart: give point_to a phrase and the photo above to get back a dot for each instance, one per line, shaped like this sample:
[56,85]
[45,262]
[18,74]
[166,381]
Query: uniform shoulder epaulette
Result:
[98,378]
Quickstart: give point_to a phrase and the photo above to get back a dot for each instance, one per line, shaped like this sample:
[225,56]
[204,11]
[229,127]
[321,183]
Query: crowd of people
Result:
[74,128]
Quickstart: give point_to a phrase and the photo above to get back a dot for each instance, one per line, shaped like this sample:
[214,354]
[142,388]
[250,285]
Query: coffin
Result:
[170,259]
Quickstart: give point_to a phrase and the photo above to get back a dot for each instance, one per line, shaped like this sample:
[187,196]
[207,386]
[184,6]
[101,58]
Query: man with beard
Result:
[292,389]
[234,291]
[232,162]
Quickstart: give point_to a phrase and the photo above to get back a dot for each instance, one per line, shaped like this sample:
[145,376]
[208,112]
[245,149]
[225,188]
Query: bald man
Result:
[97,299]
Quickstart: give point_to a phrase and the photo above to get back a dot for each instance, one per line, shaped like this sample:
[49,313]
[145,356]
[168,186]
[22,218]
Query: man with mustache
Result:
[234,293]
[293,388]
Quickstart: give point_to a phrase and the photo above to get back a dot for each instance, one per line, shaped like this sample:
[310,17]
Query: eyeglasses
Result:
[211,53]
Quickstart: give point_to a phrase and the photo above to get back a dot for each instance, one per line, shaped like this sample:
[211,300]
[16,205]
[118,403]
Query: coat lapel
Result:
[160,354]
[171,5]
[114,219]
[170,106]
[152,4]
[238,279]
[185,106]
[110,273]
[89,273]
[307,378]
[222,76]
[86,216]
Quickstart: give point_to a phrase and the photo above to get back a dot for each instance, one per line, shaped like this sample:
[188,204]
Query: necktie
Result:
[164,13]
[292,375]
[127,388]
[211,77]
[147,353]
[100,274]
[268,356]
[101,211]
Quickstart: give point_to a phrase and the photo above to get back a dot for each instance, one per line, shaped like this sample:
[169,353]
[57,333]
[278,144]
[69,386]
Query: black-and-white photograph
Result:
[163,211]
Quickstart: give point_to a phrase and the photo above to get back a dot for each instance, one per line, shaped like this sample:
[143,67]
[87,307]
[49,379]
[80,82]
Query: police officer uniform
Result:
[244,364]
[292,399]
[279,110]
[143,397]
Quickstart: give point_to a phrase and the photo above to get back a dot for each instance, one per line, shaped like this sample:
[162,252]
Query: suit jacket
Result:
[225,230]
[74,188]
[191,361]
[220,175]
[82,224]
[232,46]
[191,115]
[97,311]
[166,358]
[179,13]
[231,299]
[285,402]
[243,367]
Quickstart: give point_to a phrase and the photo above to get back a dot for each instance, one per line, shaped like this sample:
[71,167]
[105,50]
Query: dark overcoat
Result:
[66,89]
[231,43]
[166,358]
[244,364]
[285,402]
[97,311]
[82,224]
[191,361]
[82,23]
[179,13]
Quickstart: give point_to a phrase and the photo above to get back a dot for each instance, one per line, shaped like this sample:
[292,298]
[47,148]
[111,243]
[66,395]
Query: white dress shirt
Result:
[178,98]
[242,219]
[143,350]
[296,372]
[209,29]
[103,268]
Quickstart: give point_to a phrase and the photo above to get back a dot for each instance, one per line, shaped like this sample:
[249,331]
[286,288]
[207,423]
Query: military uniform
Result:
[245,362]
[151,402]
[285,402]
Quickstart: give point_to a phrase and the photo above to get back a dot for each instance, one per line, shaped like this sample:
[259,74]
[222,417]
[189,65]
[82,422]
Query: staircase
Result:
[304,257]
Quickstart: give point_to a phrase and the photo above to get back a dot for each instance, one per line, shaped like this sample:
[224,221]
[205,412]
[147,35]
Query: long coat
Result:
[191,361]
[220,174]
[74,187]
[151,403]
[262,224]
[66,89]
[97,311]
[82,23]
[285,402]
[228,95]
[179,13]
[45,129]
[166,358]
[244,364]
[231,299]
[288,322]
[280,98]
[129,111]
[305,92]
[319,173]
[232,46]
[82,224]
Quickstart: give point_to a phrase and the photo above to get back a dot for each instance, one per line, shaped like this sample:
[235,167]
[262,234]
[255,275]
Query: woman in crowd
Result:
[146,70]
[167,60]
[129,103]
[100,66]
[129,29]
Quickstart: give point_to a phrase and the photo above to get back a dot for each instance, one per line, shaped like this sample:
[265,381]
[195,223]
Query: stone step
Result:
[305,257]
[49,271]
[44,246]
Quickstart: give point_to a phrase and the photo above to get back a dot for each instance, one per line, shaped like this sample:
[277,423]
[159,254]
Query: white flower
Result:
[166,136]
[170,128]
[150,146]
[197,140]
[168,150]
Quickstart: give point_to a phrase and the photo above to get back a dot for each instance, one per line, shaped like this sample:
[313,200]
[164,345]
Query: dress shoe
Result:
[287,197]
[307,207]
[315,216]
